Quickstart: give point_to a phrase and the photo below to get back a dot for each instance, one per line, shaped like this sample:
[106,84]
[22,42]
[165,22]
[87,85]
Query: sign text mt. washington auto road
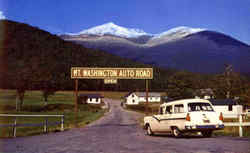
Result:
[114,73]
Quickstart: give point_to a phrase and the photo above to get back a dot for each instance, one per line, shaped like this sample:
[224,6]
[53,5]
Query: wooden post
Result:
[62,123]
[240,125]
[45,128]
[16,102]
[76,101]
[146,96]
[14,129]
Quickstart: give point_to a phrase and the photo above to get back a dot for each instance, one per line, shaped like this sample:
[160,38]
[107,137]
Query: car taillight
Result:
[221,116]
[188,117]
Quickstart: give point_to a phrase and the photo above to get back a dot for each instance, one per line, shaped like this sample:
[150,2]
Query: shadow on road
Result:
[183,137]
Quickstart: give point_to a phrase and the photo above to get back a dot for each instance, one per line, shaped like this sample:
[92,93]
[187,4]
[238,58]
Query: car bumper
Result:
[203,127]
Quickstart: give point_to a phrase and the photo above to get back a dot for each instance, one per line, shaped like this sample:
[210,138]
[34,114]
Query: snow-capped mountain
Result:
[181,31]
[172,35]
[113,29]
[184,48]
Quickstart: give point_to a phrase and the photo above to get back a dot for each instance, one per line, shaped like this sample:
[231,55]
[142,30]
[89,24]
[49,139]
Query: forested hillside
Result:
[36,59]
[31,58]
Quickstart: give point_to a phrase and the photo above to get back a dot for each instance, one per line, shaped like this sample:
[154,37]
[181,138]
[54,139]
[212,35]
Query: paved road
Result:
[118,132]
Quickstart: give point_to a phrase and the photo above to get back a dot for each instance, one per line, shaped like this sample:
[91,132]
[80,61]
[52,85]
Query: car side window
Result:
[179,108]
[169,110]
[161,111]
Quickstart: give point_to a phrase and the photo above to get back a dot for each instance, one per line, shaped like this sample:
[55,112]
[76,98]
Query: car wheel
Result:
[176,132]
[149,131]
[207,133]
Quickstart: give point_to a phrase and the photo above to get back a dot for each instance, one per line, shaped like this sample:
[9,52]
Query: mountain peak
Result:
[179,32]
[113,29]
[185,28]
[110,24]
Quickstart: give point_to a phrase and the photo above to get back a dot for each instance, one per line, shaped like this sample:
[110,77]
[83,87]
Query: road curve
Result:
[118,132]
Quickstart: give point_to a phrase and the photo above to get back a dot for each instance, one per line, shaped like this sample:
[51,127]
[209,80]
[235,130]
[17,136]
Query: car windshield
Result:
[199,107]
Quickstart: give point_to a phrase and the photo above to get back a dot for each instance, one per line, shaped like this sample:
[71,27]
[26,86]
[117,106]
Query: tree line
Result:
[33,59]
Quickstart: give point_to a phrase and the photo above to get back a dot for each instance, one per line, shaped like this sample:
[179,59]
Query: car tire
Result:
[176,132]
[149,131]
[207,134]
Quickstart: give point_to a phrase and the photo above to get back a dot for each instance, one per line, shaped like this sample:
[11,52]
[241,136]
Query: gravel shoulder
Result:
[118,132]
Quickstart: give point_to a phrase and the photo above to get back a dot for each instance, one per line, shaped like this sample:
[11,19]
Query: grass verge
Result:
[62,103]
[234,130]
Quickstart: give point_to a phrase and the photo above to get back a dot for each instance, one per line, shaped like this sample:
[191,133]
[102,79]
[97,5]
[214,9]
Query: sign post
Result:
[147,97]
[110,76]
[76,101]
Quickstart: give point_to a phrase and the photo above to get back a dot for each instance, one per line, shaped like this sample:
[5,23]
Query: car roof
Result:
[185,101]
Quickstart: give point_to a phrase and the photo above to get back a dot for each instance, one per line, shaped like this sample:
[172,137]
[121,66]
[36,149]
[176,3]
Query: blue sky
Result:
[231,17]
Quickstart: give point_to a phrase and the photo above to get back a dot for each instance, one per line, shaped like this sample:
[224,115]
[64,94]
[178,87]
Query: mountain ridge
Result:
[112,29]
[177,49]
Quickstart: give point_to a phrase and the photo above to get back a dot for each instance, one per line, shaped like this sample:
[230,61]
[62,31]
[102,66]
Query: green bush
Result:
[152,108]
[139,108]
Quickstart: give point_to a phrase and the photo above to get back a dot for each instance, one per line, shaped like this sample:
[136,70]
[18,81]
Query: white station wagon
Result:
[182,116]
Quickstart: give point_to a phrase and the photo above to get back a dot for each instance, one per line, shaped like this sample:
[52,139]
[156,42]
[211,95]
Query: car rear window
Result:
[198,106]
[179,108]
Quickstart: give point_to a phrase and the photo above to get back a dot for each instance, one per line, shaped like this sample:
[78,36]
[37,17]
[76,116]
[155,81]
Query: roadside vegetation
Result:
[109,94]
[61,103]
[234,131]
[141,107]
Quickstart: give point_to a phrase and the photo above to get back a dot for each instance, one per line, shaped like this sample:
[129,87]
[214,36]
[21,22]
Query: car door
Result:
[179,116]
[155,124]
[165,119]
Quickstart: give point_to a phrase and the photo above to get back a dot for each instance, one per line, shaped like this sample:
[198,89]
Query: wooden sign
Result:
[111,73]
[110,81]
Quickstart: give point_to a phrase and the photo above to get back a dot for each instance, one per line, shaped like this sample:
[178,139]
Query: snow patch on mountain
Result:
[113,29]
[178,32]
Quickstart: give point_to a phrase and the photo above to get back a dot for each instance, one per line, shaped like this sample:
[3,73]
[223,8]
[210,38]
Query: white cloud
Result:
[2,16]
